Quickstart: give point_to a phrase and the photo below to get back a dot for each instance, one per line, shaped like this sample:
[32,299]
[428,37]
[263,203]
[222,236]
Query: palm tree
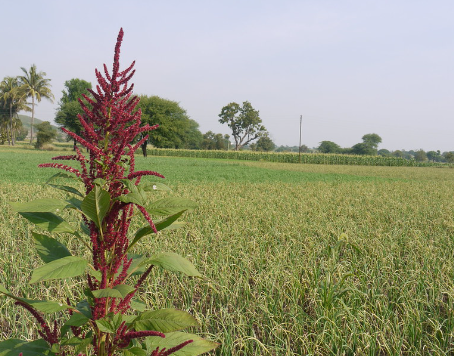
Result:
[12,96]
[36,87]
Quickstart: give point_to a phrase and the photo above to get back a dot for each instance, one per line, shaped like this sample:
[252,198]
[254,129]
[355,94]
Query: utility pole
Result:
[299,148]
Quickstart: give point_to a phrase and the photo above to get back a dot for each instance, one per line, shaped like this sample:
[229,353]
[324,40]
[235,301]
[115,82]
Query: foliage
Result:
[244,121]
[12,100]
[384,152]
[69,106]
[265,143]
[99,321]
[45,134]
[363,149]
[212,141]
[434,156]
[175,128]
[35,87]
[372,140]
[420,156]
[449,157]
[328,147]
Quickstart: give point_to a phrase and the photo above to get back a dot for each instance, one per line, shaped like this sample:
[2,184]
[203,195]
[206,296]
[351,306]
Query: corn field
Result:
[290,157]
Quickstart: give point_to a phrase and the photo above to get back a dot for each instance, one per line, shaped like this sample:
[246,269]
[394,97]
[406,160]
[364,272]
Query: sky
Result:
[349,67]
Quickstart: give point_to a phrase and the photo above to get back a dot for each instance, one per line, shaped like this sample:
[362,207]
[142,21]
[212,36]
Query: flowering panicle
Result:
[110,124]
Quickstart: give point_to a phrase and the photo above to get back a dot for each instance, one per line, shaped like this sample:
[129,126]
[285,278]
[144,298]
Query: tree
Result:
[384,152]
[176,129]
[372,140]
[212,141]
[244,121]
[434,156]
[363,149]
[398,153]
[420,156]
[265,143]
[328,147]
[13,100]
[36,87]
[69,106]
[45,134]
[449,157]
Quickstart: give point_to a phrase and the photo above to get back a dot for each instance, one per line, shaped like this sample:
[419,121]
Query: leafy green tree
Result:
[69,106]
[328,147]
[36,87]
[397,153]
[265,143]
[420,156]
[384,152]
[13,100]
[372,140]
[363,149]
[244,121]
[21,133]
[449,157]
[45,134]
[434,156]
[212,141]
[176,129]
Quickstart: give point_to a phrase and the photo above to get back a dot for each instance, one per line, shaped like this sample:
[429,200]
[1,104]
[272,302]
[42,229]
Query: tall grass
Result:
[299,259]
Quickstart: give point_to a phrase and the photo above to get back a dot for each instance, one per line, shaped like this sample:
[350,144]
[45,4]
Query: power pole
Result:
[299,148]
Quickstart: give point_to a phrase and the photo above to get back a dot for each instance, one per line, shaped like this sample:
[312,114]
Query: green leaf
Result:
[67,188]
[41,305]
[132,198]
[13,347]
[170,206]
[134,351]
[173,262]
[119,291]
[84,307]
[85,229]
[96,205]
[48,248]
[105,326]
[161,225]
[65,267]
[138,305]
[75,203]
[164,320]
[197,347]
[48,221]
[40,206]
[63,175]
[149,186]
[46,306]
[77,319]
[137,264]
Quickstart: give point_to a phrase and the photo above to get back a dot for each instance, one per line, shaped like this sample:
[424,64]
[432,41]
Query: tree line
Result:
[176,129]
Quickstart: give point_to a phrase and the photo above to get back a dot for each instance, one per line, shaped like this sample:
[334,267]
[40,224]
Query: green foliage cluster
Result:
[176,129]
[244,121]
[45,134]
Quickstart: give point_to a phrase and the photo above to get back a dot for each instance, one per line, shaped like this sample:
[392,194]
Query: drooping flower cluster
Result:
[110,124]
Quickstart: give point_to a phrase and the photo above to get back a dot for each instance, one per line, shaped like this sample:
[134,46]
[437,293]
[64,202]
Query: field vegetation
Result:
[299,259]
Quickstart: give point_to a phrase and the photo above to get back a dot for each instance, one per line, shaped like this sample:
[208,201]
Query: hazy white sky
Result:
[350,67]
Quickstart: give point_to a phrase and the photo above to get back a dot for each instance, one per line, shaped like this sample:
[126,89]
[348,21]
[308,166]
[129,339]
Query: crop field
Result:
[298,259]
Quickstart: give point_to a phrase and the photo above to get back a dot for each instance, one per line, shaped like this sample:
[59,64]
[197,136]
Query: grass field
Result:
[298,259]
